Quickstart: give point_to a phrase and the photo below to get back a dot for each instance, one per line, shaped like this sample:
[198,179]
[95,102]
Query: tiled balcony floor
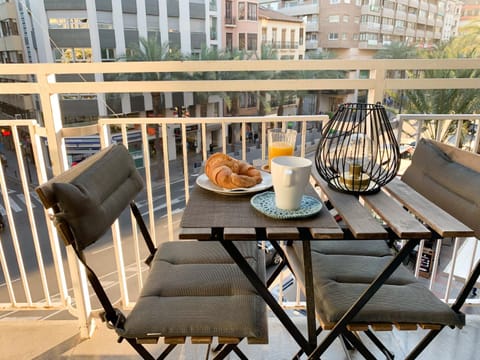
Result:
[59,339]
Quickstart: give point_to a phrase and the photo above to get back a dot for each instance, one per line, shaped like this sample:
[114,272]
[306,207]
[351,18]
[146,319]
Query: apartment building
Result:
[470,12]
[356,28]
[240,24]
[284,34]
[104,30]
[12,50]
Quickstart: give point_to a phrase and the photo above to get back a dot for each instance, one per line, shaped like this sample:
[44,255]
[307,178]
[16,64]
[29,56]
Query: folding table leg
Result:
[264,292]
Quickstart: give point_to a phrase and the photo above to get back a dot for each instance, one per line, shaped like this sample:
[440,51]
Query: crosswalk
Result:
[17,201]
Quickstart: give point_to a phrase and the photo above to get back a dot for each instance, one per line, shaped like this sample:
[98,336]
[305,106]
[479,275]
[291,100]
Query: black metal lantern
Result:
[358,152]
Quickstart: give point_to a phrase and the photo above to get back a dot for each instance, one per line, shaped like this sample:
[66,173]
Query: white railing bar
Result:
[186,184]
[105,140]
[148,181]
[452,269]
[458,133]
[436,262]
[52,235]
[168,190]
[136,244]
[11,220]
[31,217]
[239,65]
[6,271]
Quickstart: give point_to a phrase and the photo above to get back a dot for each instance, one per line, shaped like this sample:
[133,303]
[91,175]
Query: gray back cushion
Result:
[448,183]
[91,195]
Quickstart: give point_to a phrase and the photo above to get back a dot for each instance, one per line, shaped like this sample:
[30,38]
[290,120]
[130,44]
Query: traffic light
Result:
[6,132]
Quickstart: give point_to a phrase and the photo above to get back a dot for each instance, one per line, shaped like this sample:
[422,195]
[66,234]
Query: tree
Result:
[151,50]
[444,101]
[397,50]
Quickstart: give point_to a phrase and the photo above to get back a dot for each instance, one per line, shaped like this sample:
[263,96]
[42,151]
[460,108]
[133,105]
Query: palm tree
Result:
[445,101]
[397,50]
[151,50]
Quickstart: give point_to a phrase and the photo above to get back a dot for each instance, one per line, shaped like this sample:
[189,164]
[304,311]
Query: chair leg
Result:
[348,344]
[140,349]
[227,349]
[166,352]
[359,345]
[423,344]
[389,355]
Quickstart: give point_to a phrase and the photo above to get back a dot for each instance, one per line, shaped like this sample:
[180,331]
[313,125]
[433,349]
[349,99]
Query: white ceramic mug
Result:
[290,176]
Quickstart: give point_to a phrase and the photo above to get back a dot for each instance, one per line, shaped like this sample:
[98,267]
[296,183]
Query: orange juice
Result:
[279,148]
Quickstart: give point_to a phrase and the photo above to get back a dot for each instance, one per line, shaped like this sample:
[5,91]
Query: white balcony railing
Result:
[36,273]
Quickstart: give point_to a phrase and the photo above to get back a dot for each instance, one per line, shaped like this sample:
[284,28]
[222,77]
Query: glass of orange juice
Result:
[281,143]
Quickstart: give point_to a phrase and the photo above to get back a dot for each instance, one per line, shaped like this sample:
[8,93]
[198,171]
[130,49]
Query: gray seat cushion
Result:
[340,279]
[200,252]
[348,247]
[229,316]
[225,304]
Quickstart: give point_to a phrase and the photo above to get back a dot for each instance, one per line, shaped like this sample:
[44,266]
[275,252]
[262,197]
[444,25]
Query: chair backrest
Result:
[90,196]
[449,177]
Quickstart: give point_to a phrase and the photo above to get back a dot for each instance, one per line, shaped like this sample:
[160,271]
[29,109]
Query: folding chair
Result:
[446,176]
[193,289]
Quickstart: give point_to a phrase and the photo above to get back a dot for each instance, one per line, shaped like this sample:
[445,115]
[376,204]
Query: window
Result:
[105,26]
[334,2]
[264,35]
[274,35]
[9,27]
[108,54]
[300,37]
[228,12]
[346,18]
[334,18]
[68,55]
[241,11]
[229,41]
[333,36]
[252,11]
[68,23]
[252,42]
[11,57]
[213,28]
[241,41]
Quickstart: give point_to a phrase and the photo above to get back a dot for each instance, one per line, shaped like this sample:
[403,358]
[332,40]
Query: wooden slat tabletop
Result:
[207,210]
[432,215]
[358,218]
[395,216]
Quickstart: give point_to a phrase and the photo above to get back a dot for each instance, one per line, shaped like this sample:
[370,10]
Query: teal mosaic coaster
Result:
[265,203]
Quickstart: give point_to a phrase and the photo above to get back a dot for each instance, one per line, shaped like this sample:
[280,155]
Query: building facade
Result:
[105,30]
[284,34]
[356,28]
[13,50]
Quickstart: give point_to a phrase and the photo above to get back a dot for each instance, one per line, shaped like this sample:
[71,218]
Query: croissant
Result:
[230,173]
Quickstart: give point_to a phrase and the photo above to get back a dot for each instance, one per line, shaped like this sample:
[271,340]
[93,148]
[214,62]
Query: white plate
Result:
[204,182]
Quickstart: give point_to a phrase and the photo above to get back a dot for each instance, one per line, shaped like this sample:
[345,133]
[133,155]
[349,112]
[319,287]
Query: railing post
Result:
[57,151]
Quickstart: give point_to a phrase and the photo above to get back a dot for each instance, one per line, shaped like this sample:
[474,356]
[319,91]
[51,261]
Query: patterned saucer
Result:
[265,203]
